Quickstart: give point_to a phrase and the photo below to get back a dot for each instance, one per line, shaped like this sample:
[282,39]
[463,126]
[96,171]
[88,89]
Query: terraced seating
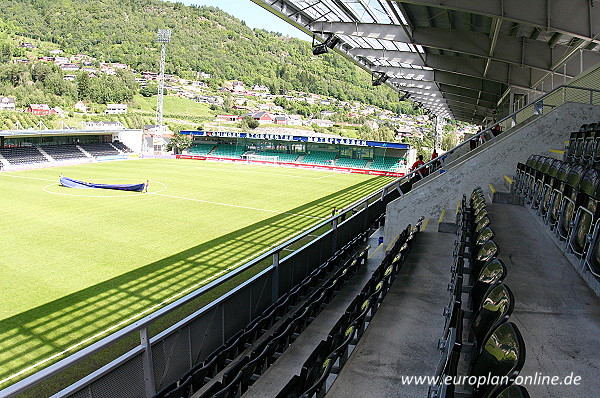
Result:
[100,149]
[228,151]
[282,156]
[386,163]
[122,147]
[354,163]
[23,155]
[201,149]
[319,157]
[64,152]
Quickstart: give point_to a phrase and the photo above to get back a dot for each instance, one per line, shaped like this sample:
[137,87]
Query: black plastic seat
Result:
[550,183]
[555,204]
[492,272]
[496,307]
[501,354]
[587,213]
[541,178]
[571,200]
[486,252]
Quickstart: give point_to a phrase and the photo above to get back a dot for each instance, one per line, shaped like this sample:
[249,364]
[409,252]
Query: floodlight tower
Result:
[164,37]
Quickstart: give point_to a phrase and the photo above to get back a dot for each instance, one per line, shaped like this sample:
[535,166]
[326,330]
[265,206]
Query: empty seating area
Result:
[201,149]
[349,162]
[100,149]
[386,163]
[63,152]
[122,147]
[22,155]
[565,195]
[479,307]
[330,355]
[282,156]
[228,151]
[320,157]
[234,367]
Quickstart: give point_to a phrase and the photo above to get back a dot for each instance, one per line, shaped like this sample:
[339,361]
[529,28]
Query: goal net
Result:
[269,159]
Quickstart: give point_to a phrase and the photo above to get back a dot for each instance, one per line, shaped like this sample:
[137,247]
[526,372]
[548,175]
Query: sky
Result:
[254,15]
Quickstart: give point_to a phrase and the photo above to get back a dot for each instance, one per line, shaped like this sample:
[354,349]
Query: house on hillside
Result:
[280,119]
[39,109]
[26,45]
[263,117]
[7,103]
[320,122]
[69,67]
[327,114]
[61,60]
[115,109]
[55,52]
[70,77]
[294,120]
[81,107]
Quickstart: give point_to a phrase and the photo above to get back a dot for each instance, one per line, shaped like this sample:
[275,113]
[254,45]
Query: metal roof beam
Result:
[519,51]
[574,17]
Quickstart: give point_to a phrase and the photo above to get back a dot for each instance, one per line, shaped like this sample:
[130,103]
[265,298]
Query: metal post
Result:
[275,280]
[366,217]
[334,224]
[580,60]
[565,73]
[147,363]
[591,97]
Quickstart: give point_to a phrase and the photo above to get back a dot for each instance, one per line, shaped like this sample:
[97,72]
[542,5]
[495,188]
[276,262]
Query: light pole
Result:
[164,37]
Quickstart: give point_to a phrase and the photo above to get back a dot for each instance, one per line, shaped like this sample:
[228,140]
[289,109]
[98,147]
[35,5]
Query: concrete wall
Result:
[487,164]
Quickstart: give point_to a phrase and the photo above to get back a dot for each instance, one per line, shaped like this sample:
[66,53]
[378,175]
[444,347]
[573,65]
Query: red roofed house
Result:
[39,109]
[263,117]
[229,118]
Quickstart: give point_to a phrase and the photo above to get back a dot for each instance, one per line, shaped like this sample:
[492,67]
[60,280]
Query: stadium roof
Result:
[458,58]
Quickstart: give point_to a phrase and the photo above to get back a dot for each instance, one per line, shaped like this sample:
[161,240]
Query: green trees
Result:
[179,142]
[248,122]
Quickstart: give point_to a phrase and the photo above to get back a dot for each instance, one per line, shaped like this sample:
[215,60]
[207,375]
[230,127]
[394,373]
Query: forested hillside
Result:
[204,39]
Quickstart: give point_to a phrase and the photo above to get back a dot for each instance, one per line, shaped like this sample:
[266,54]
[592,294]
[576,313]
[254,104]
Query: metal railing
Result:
[558,96]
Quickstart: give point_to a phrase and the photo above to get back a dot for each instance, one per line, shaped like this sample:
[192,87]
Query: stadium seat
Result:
[540,181]
[557,194]
[496,307]
[512,391]
[570,201]
[587,212]
[502,354]
[176,390]
[550,183]
[485,253]
[212,390]
[492,271]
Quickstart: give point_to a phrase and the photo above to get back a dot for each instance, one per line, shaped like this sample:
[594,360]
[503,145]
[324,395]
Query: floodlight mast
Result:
[164,37]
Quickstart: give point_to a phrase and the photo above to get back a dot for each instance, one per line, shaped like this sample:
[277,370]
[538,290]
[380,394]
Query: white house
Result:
[7,103]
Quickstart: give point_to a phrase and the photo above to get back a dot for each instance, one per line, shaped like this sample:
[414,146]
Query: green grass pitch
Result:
[76,264]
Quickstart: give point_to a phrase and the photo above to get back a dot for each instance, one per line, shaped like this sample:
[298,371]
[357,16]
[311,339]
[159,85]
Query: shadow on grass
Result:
[41,332]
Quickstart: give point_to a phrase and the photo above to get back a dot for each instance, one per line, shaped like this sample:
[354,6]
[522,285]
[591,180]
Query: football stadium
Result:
[312,265]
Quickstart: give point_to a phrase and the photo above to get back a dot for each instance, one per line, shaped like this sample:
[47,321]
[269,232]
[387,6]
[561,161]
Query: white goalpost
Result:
[272,160]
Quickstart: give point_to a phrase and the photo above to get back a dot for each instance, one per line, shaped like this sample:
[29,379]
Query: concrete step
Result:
[500,194]
[447,221]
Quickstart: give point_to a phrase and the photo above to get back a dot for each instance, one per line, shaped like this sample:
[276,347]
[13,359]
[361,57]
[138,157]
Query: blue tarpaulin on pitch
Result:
[70,183]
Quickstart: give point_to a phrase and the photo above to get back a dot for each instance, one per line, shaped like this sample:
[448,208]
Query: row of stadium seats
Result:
[282,156]
[319,157]
[495,348]
[584,145]
[33,154]
[353,163]
[63,152]
[386,163]
[228,151]
[23,155]
[247,354]
[331,354]
[100,149]
[566,196]
[201,149]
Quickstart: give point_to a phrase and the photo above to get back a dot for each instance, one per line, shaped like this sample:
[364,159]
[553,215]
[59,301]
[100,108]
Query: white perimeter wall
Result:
[490,163]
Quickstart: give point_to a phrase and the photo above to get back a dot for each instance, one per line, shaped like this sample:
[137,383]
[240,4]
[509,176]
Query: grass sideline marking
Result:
[238,206]
[138,315]
[28,178]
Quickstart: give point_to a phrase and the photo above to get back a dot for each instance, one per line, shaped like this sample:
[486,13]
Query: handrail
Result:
[489,129]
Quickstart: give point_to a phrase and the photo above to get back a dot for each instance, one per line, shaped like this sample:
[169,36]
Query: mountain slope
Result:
[204,39]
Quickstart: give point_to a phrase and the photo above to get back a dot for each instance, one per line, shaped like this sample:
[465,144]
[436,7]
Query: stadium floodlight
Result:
[324,47]
[164,37]
[382,78]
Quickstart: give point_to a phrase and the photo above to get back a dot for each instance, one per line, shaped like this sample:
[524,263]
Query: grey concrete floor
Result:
[402,337]
[555,310]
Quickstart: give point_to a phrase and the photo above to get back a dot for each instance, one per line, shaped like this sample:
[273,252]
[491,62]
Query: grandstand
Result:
[201,149]
[353,163]
[386,163]
[488,268]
